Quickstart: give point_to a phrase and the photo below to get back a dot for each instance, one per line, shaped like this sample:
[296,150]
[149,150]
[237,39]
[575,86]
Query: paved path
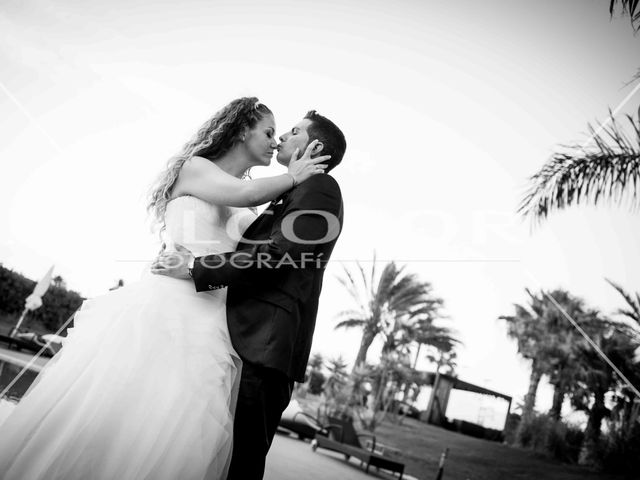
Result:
[292,459]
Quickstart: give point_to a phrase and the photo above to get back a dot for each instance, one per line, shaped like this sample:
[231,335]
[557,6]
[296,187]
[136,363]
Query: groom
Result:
[274,279]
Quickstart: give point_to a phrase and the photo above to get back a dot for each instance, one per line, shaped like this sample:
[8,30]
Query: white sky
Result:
[447,107]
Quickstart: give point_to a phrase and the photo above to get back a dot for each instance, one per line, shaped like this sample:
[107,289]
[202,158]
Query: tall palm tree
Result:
[596,379]
[563,372]
[382,301]
[529,335]
[545,337]
[564,345]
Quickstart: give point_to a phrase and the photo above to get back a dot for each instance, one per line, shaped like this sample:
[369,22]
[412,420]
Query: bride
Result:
[144,386]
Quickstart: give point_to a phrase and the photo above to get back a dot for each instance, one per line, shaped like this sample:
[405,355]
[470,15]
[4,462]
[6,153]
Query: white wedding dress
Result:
[145,385]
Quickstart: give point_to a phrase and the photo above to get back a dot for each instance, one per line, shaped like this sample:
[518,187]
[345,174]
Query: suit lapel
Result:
[265,221]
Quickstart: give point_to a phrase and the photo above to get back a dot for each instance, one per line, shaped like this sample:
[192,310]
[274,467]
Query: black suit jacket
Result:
[274,277]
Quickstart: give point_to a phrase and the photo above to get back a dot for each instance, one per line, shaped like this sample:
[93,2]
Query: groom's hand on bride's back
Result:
[176,264]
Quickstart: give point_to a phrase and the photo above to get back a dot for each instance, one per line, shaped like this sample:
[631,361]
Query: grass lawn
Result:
[420,446]
[472,458]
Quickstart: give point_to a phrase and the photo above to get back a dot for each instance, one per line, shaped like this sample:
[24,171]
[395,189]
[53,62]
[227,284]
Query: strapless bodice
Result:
[204,228]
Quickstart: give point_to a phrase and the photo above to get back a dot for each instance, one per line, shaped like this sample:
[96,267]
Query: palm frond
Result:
[350,313]
[388,278]
[407,290]
[363,276]
[350,323]
[372,282]
[442,338]
[351,286]
[608,169]
[634,304]
[630,8]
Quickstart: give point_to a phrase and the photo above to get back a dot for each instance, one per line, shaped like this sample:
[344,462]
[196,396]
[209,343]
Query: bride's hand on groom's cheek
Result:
[173,264]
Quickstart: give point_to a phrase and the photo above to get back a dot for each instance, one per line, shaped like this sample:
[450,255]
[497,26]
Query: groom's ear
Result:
[317,149]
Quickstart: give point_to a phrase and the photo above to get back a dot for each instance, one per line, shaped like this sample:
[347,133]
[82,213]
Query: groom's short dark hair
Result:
[324,130]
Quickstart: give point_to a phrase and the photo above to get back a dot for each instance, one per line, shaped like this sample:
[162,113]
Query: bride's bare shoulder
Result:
[198,165]
[192,171]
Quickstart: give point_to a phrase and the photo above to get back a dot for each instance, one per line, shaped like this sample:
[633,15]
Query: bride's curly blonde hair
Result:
[215,138]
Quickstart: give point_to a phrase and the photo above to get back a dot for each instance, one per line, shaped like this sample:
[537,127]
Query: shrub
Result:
[621,451]
[553,437]
[564,441]
[58,303]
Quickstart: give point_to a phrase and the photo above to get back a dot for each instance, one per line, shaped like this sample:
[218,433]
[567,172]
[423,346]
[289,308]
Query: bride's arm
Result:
[203,179]
[316,209]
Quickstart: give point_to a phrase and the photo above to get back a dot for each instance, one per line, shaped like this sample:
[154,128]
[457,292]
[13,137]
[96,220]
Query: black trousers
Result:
[263,395]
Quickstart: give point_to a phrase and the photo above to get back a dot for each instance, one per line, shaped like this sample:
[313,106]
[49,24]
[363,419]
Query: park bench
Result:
[343,438]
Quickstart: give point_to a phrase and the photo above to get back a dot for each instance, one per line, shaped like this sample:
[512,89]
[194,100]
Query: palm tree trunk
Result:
[522,432]
[530,397]
[365,343]
[589,451]
[378,392]
[558,400]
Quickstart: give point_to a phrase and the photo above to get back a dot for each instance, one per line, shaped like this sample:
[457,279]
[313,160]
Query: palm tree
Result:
[633,313]
[564,346]
[382,302]
[528,333]
[629,7]
[574,367]
[337,375]
[336,378]
[333,389]
[440,338]
[563,372]
[417,326]
[596,379]
[545,337]
[605,169]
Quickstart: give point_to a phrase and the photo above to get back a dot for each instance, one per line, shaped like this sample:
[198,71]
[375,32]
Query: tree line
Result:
[58,303]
